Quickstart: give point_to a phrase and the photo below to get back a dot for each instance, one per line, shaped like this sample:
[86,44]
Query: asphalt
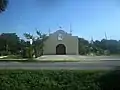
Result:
[83,63]
[96,65]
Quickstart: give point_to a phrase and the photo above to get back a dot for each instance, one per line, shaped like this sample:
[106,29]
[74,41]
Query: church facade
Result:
[61,43]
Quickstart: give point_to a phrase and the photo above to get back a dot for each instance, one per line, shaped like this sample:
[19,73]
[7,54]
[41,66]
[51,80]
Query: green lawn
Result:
[32,60]
[13,57]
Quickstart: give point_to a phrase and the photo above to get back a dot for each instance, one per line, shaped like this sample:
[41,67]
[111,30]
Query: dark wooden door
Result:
[60,49]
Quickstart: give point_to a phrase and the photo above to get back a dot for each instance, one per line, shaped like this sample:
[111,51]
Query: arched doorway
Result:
[60,49]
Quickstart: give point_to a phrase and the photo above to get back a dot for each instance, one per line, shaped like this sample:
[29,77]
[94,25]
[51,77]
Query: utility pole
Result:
[91,47]
[31,49]
[106,44]
[70,29]
[91,40]
[105,36]
[49,31]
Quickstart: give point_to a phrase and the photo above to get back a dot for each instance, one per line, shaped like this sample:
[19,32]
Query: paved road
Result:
[96,65]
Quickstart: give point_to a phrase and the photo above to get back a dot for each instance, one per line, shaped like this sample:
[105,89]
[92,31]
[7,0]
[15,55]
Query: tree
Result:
[9,42]
[108,46]
[3,5]
[28,51]
[22,48]
[38,42]
[83,46]
[28,36]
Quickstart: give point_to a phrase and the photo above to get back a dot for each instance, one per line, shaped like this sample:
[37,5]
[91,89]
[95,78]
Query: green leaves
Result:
[99,47]
[48,80]
[39,34]
[9,42]
[38,42]
[28,36]
[59,80]
[83,46]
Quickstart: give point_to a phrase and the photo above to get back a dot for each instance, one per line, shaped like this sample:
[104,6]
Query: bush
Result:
[106,52]
[51,80]
[59,80]
[27,52]
[4,53]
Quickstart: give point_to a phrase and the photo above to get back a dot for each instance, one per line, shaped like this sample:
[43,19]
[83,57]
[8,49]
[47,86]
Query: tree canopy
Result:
[38,42]
[9,42]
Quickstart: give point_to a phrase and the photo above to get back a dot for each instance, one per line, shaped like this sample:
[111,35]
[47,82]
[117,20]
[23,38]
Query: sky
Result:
[88,18]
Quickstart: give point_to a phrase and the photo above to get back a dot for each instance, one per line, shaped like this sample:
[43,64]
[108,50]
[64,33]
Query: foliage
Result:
[3,5]
[38,42]
[59,80]
[103,47]
[110,80]
[9,43]
[83,46]
[48,80]
[28,36]
[109,46]
[29,50]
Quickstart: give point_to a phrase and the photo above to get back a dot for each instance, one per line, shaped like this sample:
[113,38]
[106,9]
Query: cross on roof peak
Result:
[60,27]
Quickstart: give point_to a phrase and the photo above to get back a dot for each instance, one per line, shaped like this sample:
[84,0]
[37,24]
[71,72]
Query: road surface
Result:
[94,65]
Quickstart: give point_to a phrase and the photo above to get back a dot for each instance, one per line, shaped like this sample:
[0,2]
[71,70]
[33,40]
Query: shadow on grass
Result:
[110,80]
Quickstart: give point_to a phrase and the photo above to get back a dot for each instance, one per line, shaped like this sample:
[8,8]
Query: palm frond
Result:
[39,33]
[28,36]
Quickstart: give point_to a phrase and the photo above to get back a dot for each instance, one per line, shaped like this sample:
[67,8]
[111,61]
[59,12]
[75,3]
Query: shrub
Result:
[59,80]
[5,53]
[27,52]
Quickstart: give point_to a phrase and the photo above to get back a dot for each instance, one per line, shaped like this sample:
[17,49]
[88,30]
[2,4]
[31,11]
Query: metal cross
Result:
[60,27]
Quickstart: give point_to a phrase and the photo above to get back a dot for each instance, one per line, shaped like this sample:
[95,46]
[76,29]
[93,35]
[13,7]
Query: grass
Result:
[18,58]
[13,57]
[33,60]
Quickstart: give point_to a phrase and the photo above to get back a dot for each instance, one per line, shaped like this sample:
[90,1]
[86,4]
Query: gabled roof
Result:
[60,31]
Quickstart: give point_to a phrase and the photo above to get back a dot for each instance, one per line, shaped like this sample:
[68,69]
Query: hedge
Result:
[59,80]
